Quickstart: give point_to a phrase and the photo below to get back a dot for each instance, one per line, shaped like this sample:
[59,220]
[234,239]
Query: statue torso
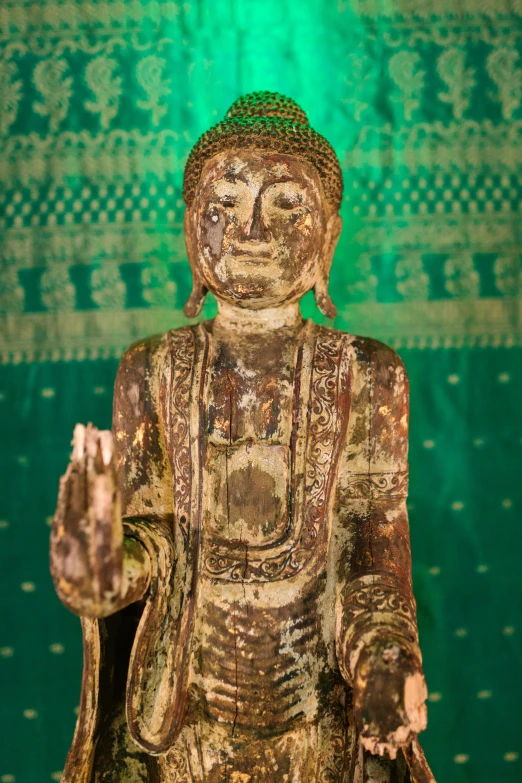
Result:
[258,649]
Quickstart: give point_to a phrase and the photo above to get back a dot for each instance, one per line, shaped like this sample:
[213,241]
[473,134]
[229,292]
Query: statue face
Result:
[258,227]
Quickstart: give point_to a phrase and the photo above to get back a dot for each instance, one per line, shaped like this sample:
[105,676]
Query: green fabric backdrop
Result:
[100,103]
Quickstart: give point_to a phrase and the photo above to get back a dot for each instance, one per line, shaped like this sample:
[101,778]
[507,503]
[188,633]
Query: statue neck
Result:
[231,318]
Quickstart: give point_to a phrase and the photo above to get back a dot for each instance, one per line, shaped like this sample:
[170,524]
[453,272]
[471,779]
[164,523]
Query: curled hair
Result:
[268,121]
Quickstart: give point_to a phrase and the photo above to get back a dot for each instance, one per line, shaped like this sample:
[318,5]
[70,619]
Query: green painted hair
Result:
[268,121]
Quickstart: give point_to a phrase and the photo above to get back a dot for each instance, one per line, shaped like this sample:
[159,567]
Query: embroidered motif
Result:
[159,289]
[56,89]
[462,279]
[11,92]
[108,289]
[409,77]
[57,291]
[149,73]
[501,65]
[460,80]
[106,88]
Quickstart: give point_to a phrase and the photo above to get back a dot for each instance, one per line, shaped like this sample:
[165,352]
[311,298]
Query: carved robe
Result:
[237,663]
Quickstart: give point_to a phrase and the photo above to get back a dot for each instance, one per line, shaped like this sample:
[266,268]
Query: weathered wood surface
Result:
[238,549]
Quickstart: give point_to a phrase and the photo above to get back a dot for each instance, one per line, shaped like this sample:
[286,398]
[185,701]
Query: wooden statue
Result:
[238,548]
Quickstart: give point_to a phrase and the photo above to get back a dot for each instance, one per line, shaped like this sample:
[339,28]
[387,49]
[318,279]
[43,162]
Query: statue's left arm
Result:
[376,627]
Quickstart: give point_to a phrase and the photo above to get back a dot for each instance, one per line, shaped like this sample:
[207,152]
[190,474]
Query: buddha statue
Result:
[238,548]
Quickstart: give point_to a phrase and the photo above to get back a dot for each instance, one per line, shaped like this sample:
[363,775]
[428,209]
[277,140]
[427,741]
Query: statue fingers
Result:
[389,744]
[415,695]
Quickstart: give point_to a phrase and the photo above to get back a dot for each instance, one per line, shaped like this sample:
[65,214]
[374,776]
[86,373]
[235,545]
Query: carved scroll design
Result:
[383,593]
[182,349]
[375,603]
[153,725]
[374,485]
[323,434]
[320,425]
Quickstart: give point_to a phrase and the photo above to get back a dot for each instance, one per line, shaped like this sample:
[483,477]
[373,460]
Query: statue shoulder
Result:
[136,377]
[140,354]
[376,365]
[146,361]
[377,355]
[150,352]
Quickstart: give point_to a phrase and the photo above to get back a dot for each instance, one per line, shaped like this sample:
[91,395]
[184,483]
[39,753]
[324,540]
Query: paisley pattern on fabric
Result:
[100,105]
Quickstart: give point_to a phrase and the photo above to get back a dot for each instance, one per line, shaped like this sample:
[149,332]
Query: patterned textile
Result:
[100,103]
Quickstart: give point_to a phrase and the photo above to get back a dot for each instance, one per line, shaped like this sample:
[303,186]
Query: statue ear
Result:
[197,296]
[322,297]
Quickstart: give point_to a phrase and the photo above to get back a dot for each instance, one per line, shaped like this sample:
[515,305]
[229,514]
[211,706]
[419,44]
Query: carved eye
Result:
[228,203]
[283,202]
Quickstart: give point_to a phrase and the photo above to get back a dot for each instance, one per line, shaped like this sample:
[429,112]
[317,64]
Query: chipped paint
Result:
[242,537]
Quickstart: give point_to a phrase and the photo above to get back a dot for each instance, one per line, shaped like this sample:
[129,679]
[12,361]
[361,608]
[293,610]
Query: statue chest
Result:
[254,436]
[247,452]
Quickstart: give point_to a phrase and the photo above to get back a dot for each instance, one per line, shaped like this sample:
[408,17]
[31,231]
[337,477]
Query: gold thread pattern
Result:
[149,73]
[412,280]
[159,290]
[460,80]
[501,66]
[99,75]
[462,279]
[108,289]
[12,294]
[431,101]
[508,274]
[11,92]
[407,74]
[56,89]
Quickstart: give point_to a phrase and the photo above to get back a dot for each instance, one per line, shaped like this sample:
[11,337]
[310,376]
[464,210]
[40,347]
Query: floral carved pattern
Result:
[182,357]
[377,600]
[375,485]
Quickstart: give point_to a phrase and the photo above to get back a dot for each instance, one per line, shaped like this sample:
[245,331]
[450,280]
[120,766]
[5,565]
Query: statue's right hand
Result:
[87,533]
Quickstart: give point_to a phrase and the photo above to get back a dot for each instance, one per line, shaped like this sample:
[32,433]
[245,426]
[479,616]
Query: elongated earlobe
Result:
[199,291]
[196,299]
[322,297]
[323,300]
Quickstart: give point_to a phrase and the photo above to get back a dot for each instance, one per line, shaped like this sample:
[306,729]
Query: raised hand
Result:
[389,696]
[87,533]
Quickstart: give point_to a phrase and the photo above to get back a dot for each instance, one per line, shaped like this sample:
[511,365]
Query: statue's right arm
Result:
[97,569]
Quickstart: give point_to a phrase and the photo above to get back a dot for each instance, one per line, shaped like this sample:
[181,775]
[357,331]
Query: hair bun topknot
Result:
[268,104]
[266,121]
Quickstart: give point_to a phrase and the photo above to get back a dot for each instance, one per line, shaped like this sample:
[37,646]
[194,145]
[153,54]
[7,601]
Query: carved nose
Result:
[258,232]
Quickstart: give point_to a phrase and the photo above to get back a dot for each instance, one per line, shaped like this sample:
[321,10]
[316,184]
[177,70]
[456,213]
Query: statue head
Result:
[262,191]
